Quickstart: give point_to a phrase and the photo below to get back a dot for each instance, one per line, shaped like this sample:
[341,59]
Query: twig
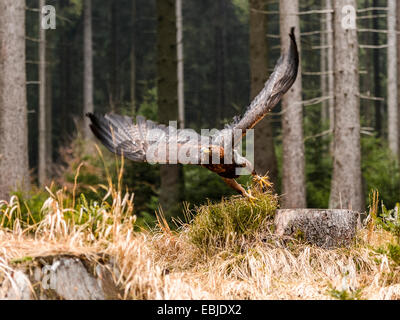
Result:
[324,133]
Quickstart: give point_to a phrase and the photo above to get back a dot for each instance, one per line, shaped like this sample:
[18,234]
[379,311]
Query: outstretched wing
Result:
[147,141]
[280,81]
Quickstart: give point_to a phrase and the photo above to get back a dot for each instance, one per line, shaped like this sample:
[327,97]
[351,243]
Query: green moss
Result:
[345,294]
[299,235]
[21,260]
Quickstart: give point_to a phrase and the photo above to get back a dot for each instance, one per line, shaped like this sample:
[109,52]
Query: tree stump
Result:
[60,277]
[324,228]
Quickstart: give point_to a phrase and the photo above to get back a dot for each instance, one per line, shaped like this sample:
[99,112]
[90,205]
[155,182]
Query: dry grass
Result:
[206,258]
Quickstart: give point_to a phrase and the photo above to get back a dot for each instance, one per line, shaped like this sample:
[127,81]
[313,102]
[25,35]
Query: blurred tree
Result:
[49,104]
[88,67]
[330,50]
[14,170]
[324,89]
[377,69]
[133,58]
[398,63]
[220,58]
[264,150]
[171,191]
[327,77]
[114,81]
[346,188]
[179,41]
[42,152]
[293,180]
[393,122]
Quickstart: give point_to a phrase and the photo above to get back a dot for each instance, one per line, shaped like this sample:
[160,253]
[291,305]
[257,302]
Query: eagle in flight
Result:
[147,141]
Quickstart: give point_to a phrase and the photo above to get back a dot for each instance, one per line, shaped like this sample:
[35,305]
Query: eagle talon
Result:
[262,181]
[249,196]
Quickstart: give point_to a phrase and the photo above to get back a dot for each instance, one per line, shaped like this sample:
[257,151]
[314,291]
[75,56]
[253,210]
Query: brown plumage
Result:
[147,141]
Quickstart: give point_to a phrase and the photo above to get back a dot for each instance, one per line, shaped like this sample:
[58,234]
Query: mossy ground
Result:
[232,221]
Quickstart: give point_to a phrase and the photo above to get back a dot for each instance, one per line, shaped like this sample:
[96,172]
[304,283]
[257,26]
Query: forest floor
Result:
[226,251]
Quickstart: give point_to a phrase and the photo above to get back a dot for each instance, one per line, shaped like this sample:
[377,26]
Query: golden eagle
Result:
[147,141]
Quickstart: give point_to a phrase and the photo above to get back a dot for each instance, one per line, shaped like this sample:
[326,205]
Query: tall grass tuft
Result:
[233,221]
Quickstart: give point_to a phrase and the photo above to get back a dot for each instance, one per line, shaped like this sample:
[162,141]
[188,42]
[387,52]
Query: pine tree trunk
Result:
[323,78]
[377,71]
[167,84]
[14,170]
[220,45]
[331,78]
[293,180]
[393,133]
[398,61]
[133,60]
[114,56]
[63,78]
[346,189]
[49,108]
[88,67]
[179,40]
[42,152]
[264,150]
[366,106]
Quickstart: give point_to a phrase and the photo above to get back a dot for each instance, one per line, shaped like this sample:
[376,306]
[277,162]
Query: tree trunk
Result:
[377,71]
[49,108]
[331,78]
[179,41]
[42,152]
[398,62]
[367,106]
[393,132]
[264,150]
[323,78]
[14,170]
[324,228]
[133,60]
[293,180]
[346,189]
[114,56]
[220,45]
[64,79]
[87,67]
[167,84]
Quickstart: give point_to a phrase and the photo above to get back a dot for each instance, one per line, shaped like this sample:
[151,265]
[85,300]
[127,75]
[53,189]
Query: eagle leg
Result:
[234,185]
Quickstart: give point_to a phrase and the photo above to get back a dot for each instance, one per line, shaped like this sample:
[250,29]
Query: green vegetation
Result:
[389,220]
[380,170]
[232,221]
[345,294]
